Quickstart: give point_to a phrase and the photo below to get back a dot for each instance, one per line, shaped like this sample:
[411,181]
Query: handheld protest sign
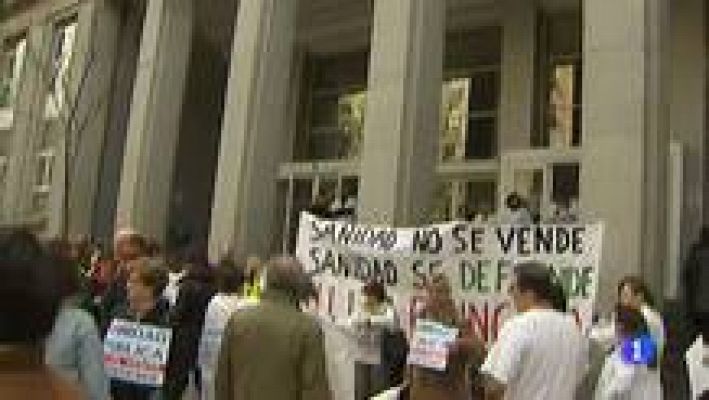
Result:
[430,344]
[137,353]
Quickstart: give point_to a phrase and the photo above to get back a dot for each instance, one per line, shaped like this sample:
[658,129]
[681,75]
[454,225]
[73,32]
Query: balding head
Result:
[285,274]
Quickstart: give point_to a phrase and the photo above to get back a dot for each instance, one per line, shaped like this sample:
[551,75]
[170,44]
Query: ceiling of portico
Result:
[326,26]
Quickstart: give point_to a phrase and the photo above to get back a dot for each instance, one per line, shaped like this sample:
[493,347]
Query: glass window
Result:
[62,48]
[45,163]
[40,201]
[565,183]
[471,91]
[43,180]
[335,92]
[3,173]
[459,199]
[10,70]
[332,197]
[561,77]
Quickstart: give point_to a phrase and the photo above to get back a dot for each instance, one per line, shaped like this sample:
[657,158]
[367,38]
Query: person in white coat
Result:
[633,292]
[228,300]
[630,376]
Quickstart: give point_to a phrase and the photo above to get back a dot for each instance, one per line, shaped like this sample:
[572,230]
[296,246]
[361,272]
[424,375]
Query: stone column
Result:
[255,136]
[88,93]
[688,109]
[154,125]
[397,173]
[519,45]
[28,127]
[626,137]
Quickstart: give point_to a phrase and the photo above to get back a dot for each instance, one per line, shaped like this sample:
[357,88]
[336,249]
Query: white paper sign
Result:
[137,353]
[429,345]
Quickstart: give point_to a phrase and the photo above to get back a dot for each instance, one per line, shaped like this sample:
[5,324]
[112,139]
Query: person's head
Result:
[230,276]
[130,245]
[633,292]
[532,286]
[514,201]
[146,282]
[630,322]
[254,266]
[374,293]
[284,274]
[80,249]
[29,296]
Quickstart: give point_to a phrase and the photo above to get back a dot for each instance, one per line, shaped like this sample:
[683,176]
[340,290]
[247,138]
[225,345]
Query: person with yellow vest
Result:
[256,276]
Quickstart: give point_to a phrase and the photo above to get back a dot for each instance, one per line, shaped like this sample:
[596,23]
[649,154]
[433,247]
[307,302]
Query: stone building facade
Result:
[217,121]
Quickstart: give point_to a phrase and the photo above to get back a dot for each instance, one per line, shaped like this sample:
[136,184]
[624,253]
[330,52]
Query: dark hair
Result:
[375,289]
[632,323]
[308,290]
[285,274]
[513,201]
[638,286]
[68,277]
[230,276]
[152,272]
[29,297]
[537,278]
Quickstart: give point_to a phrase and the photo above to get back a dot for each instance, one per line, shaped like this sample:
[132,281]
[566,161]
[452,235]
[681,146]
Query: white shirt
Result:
[539,355]
[620,380]
[654,322]
[172,290]
[604,334]
[340,351]
[366,330]
[697,359]
[219,311]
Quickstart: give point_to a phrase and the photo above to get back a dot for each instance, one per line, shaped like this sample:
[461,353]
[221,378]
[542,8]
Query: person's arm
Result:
[314,383]
[469,345]
[223,385]
[92,373]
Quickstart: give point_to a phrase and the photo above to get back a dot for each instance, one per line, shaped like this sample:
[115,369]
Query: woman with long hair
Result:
[630,371]
[74,349]
[464,353]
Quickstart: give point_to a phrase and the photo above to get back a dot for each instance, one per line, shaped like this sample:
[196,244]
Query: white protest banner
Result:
[429,345]
[477,258]
[137,353]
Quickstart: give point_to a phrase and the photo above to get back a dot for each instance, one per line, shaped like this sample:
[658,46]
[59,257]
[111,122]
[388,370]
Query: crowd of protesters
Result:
[249,330]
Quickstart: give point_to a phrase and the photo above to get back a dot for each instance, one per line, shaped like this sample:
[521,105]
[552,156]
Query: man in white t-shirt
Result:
[540,353]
